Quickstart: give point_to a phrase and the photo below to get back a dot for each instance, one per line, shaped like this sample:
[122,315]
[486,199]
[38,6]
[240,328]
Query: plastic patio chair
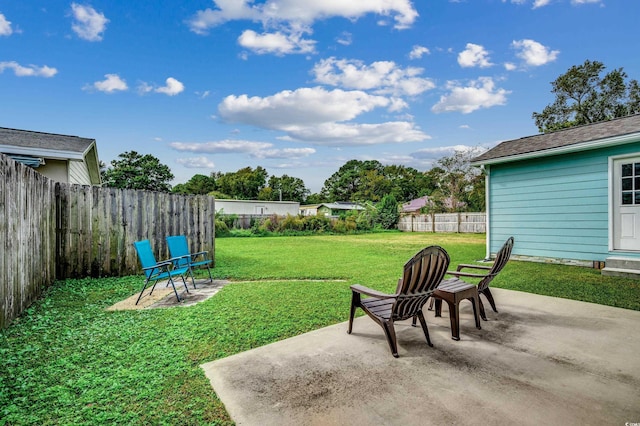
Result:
[454,290]
[422,274]
[156,271]
[179,250]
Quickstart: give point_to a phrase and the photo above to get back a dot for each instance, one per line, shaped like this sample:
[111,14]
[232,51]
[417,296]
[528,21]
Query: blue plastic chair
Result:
[156,271]
[179,250]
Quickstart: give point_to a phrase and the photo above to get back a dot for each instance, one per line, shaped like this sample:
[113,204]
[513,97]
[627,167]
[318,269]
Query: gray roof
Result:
[40,140]
[571,137]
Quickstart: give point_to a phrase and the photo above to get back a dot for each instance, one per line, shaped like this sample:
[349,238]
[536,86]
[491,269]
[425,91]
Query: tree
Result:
[458,182]
[583,96]
[284,188]
[388,214]
[245,184]
[347,183]
[136,171]
[198,184]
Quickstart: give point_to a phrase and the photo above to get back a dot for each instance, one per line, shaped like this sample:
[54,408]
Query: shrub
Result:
[222,230]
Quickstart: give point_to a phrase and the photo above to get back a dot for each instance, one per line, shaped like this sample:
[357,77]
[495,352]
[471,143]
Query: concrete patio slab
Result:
[539,361]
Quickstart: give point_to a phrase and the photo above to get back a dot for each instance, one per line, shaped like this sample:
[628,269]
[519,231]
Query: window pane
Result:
[627,198]
[636,169]
[636,182]
[637,197]
[627,170]
[627,184]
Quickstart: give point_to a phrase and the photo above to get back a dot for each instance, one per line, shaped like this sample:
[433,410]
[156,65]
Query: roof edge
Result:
[581,146]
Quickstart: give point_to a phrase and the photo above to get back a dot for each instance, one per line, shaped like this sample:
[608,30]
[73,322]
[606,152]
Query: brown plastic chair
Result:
[422,274]
[448,289]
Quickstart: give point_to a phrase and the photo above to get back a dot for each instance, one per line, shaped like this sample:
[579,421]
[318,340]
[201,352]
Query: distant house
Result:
[68,159]
[257,207]
[414,206]
[571,195]
[338,208]
[329,209]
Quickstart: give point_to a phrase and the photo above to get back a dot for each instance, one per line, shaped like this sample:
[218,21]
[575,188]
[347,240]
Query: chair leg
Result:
[390,332]
[193,278]
[454,318]
[174,288]
[355,302]
[210,277]
[144,286]
[481,305]
[476,316]
[489,296]
[438,307]
[423,323]
[430,308]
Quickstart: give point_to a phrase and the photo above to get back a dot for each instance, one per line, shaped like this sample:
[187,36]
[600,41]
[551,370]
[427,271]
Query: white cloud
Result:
[172,87]
[480,93]
[196,163]
[474,55]
[445,151]
[28,71]
[578,2]
[277,43]
[261,150]
[541,3]
[5,26]
[227,146]
[321,117]
[275,12]
[284,153]
[302,107]
[534,53]
[345,38]
[111,84]
[383,77]
[510,66]
[345,134]
[89,24]
[418,51]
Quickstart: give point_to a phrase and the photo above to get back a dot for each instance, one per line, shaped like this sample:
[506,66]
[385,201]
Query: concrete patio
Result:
[539,361]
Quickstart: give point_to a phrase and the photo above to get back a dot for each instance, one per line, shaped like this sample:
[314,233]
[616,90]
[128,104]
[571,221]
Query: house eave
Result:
[583,146]
[45,153]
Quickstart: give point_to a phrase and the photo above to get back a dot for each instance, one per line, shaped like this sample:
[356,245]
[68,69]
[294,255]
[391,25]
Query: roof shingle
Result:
[562,138]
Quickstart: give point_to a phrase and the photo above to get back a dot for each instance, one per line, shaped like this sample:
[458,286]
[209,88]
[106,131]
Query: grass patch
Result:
[68,361]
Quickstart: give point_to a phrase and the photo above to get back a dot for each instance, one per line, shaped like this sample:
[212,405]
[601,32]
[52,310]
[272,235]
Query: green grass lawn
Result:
[69,361]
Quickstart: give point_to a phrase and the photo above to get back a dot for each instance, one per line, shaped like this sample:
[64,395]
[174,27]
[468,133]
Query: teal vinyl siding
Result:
[556,206]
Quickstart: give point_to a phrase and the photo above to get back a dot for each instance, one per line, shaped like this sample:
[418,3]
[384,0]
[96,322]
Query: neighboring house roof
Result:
[29,145]
[415,205]
[342,206]
[589,136]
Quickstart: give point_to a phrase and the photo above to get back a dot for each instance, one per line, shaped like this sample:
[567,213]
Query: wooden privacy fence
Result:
[444,222]
[51,230]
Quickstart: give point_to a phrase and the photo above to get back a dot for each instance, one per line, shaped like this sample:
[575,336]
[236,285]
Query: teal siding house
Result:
[571,196]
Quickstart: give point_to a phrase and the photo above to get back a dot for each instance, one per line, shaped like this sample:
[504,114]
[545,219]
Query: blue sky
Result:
[298,87]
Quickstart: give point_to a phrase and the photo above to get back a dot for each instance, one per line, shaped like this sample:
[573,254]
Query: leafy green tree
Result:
[245,184]
[584,96]
[388,214]
[457,180]
[284,188]
[347,183]
[136,171]
[198,185]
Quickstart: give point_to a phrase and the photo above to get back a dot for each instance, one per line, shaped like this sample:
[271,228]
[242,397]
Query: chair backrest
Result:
[178,247]
[145,254]
[501,259]
[422,274]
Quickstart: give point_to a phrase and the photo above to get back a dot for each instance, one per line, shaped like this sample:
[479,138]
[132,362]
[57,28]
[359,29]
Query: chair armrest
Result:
[357,288]
[482,267]
[466,274]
